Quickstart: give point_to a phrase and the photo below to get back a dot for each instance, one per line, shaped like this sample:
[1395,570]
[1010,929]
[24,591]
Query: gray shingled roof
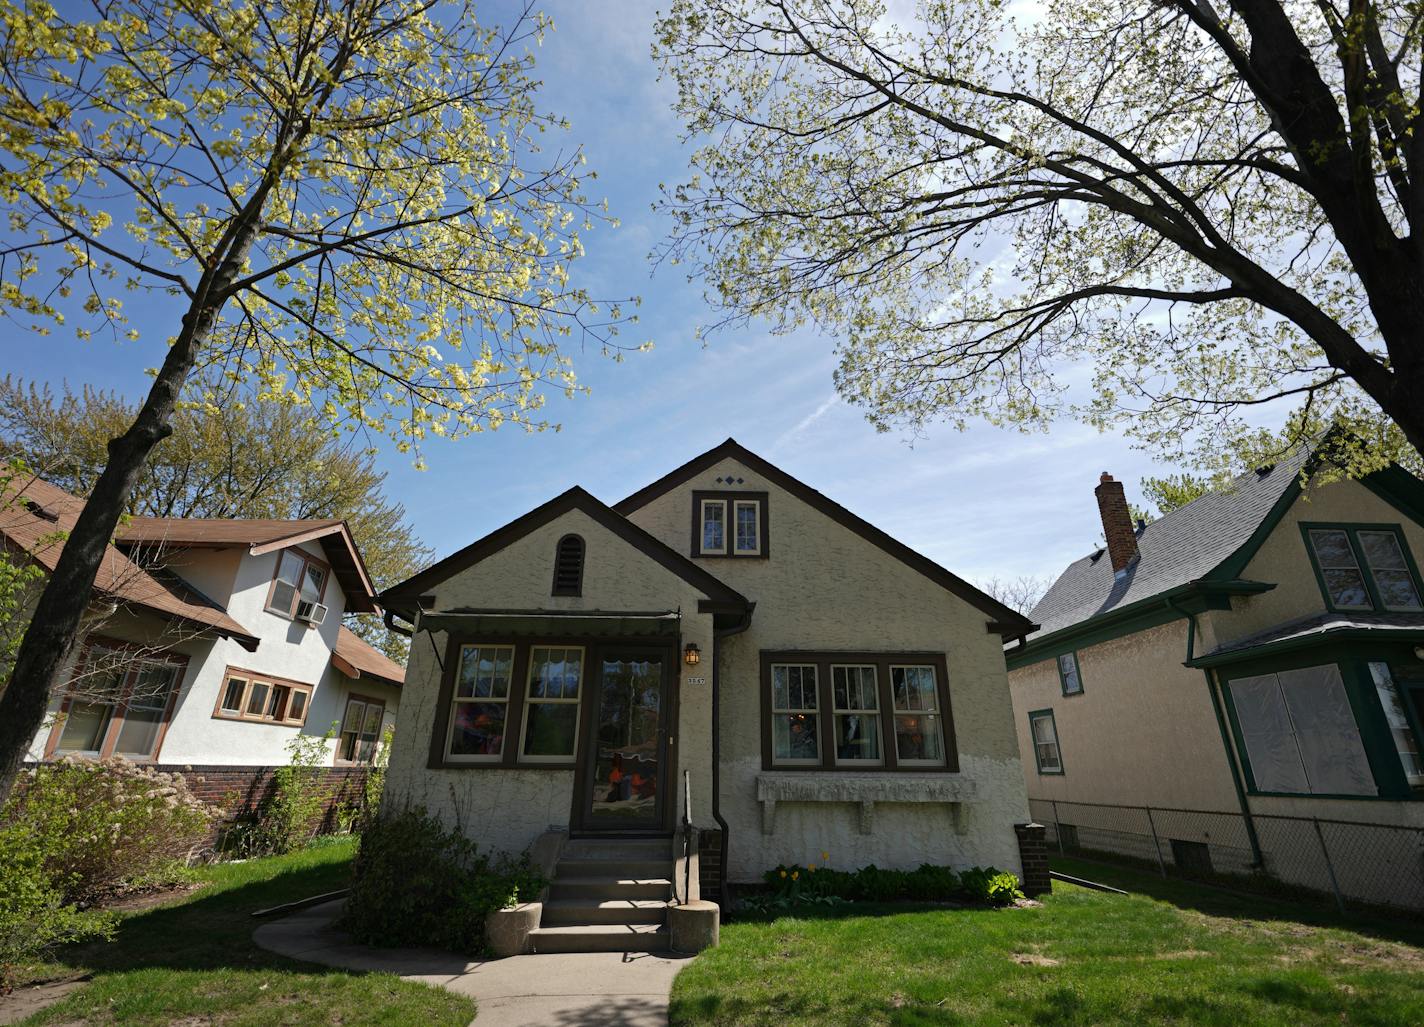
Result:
[1180,547]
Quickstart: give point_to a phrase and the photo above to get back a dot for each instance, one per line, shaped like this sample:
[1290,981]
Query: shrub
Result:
[104,826]
[995,887]
[34,917]
[290,815]
[416,883]
[794,884]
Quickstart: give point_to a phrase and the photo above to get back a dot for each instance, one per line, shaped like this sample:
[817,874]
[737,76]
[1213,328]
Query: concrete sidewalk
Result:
[626,989]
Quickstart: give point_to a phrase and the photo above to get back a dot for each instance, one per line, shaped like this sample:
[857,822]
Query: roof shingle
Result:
[41,513]
[1177,548]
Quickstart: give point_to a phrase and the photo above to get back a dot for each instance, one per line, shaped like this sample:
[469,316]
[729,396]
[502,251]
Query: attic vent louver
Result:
[568,566]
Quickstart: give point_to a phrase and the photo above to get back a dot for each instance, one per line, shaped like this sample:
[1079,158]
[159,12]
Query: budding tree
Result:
[1214,207]
[341,204]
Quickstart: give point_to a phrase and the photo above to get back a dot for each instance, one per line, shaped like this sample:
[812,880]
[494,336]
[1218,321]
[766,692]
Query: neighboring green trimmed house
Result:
[1249,667]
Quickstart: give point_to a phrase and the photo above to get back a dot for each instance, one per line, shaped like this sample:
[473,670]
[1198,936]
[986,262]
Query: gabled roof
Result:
[1006,621]
[404,598]
[357,658]
[1193,542]
[41,513]
[262,535]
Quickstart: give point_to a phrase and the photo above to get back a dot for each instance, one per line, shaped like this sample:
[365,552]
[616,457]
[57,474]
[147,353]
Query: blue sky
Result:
[984,502]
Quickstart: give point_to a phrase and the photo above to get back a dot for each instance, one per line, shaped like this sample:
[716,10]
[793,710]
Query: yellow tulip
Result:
[783,873]
[795,874]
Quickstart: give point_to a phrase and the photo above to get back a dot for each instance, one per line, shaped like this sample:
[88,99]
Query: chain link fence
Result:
[1357,864]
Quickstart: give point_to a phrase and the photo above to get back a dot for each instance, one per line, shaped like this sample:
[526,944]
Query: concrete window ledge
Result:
[863,790]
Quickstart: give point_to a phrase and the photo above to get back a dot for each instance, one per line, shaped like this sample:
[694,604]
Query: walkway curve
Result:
[620,989]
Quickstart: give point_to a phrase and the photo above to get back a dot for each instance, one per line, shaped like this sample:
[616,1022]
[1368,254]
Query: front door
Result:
[625,773]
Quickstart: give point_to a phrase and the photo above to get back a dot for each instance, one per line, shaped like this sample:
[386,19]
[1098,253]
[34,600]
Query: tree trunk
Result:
[54,626]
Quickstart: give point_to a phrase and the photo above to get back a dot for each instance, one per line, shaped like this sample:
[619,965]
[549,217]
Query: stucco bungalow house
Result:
[1238,686]
[211,644]
[727,649]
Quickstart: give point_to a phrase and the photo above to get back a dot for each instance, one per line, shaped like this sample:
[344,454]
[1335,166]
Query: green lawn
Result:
[193,961]
[1169,953]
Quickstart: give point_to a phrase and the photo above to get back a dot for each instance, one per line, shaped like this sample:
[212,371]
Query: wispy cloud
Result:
[792,433]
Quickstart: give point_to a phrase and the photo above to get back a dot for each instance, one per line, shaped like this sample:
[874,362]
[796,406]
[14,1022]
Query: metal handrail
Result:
[686,836]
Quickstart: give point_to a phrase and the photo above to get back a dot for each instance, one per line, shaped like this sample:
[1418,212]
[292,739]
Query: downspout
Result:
[717,635]
[390,622]
[1256,859]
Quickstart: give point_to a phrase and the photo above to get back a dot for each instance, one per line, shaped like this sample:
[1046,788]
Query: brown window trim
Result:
[518,689]
[116,721]
[731,498]
[825,728]
[249,677]
[307,558]
[369,700]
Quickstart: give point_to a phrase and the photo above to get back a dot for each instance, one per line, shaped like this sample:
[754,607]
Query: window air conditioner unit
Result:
[312,613]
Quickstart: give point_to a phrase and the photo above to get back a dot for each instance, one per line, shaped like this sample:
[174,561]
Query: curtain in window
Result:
[1301,734]
[1270,741]
[1326,731]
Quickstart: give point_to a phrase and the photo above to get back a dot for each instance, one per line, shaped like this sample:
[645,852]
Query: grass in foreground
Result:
[194,961]
[1169,953]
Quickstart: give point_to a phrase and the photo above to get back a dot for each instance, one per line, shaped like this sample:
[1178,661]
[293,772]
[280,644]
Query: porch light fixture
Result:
[692,656]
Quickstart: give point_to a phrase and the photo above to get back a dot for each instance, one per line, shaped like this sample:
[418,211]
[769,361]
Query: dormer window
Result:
[729,524]
[1363,566]
[568,567]
[298,587]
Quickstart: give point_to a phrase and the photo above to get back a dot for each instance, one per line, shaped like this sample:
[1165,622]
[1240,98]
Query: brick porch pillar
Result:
[1033,853]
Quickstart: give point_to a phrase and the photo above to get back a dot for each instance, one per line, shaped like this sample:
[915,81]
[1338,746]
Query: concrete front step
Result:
[617,848]
[606,911]
[623,868]
[610,886]
[601,938]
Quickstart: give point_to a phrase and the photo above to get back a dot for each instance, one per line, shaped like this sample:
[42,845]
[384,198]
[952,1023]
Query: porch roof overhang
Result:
[499,624]
[1329,629]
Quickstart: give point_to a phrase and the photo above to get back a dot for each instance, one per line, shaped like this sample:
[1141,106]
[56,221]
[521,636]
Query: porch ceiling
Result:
[554,623]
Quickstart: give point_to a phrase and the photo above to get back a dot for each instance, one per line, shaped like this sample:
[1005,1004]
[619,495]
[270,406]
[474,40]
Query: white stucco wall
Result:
[824,587]
[287,649]
[506,809]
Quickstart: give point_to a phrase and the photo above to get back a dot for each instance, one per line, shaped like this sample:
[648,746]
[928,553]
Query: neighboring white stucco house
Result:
[818,685]
[211,644]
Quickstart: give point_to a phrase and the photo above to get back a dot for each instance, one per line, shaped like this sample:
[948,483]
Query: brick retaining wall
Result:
[239,791]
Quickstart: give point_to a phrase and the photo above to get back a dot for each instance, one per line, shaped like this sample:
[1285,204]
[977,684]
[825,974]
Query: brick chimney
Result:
[1117,522]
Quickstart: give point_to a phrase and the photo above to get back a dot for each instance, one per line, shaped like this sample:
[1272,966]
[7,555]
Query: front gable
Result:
[1283,555]
[514,566]
[803,534]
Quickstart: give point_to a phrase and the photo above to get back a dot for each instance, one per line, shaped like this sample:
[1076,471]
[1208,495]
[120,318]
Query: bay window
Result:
[1299,733]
